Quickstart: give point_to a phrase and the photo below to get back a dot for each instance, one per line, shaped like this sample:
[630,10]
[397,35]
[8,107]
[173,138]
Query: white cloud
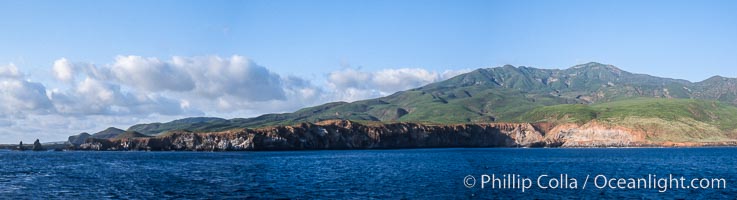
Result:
[96,97]
[351,84]
[150,74]
[231,84]
[350,78]
[19,95]
[9,71]
[392,80]
[236,76]
[63,70]
[135,89]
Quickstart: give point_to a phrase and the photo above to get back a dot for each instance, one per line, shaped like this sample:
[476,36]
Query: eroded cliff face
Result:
[335,134]
[341,134]
[594,134]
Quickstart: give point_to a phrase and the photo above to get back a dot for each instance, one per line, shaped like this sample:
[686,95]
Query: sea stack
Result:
[20,147]
[37,146]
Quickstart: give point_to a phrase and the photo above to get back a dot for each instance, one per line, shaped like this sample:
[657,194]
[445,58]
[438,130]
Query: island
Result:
[588,105]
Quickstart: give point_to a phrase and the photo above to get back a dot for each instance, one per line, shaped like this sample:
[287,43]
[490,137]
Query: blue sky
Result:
[318,50]
[669,38]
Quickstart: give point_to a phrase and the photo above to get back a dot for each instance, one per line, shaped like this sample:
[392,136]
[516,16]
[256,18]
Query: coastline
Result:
[4,148]
[348,135]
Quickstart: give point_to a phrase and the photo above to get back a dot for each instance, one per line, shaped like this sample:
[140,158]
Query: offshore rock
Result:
[37,146]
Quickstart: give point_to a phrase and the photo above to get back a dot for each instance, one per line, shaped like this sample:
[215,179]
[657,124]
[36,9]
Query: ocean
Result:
[450,173]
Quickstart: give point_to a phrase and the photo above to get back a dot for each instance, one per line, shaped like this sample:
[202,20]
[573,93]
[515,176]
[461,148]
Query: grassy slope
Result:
[522,94]
[181,124]
[663,119]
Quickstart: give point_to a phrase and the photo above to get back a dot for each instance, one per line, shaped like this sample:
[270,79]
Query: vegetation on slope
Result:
[515,94]
[130,134]
[663,119]
[180,124]
[108,133]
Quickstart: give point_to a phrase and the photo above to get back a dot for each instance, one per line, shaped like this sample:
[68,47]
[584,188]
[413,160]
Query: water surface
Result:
[352,174]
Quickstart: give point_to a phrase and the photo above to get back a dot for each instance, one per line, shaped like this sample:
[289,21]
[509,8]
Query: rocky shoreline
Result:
[343,134]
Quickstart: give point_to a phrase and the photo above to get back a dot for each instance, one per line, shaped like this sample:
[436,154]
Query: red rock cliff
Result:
[335,134]
[341,134]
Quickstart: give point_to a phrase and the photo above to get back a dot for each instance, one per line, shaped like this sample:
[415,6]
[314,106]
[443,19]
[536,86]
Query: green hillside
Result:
[130,134]
[667,119]
[512,94]
[180,124]
[108,133]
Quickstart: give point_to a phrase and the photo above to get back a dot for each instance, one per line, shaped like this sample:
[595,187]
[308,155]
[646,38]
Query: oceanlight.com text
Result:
[598,181]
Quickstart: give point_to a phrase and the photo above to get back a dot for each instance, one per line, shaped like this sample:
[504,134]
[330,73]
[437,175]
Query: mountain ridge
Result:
[500,94]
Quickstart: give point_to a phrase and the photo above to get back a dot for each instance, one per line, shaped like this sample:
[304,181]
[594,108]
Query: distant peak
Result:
[113,128]
[595,65]
[717,78]
[589,64]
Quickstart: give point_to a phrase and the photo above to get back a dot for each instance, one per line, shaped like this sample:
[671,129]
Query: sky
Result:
[80,66]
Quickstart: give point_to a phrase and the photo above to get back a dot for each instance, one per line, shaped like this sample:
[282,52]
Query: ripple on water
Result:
[414,173]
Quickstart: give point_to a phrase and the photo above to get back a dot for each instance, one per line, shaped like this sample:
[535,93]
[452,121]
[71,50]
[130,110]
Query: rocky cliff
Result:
[78,139]
[342,134]
[589,105]
[334,134]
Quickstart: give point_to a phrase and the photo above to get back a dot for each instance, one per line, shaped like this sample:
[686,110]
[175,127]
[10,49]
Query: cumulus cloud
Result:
[230,83]
[67,71]
[392,80]
[151,74]
[350,78]
[9,71]
[91,96]
[236,76]
[133,89]
[136,85]
[352,84]
[23,95]
[19,95]
[97,97]
[63,70]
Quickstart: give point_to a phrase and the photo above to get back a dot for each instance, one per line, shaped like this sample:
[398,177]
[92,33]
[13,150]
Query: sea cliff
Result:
[343,134]
[333,134]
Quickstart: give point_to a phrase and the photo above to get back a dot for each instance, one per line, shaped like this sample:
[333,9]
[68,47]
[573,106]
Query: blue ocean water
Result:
[355,174]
